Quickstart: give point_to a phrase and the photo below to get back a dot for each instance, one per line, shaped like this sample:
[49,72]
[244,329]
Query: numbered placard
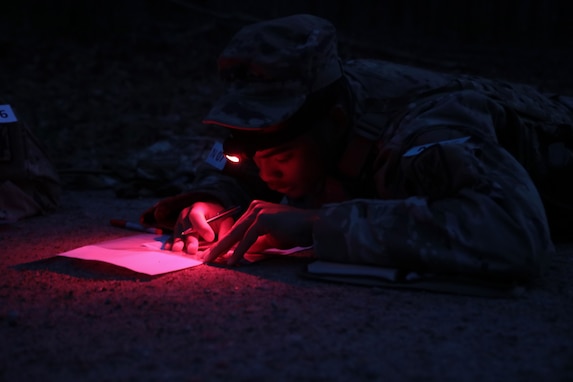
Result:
[7,114]
[216,157]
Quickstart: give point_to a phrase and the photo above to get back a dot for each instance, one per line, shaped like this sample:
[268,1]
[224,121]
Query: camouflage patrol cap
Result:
[271,67]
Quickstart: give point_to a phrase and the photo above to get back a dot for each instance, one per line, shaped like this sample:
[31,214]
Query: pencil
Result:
[220,215]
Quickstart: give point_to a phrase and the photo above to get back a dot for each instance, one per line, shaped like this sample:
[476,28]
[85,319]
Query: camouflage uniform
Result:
[450,199]
[29,183]
[432,188]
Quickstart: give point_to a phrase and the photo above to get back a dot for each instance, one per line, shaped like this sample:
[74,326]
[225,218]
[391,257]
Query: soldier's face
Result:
[294,169]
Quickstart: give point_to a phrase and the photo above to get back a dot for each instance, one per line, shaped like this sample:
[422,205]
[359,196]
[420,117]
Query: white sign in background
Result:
[7,114]
[216,157]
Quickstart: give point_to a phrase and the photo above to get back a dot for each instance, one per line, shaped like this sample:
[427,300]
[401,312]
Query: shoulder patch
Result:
[418,149]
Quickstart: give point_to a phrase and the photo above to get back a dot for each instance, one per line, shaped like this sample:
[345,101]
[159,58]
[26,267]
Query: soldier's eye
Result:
[283,157]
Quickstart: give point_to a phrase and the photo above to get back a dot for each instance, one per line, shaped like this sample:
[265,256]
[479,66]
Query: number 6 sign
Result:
[7,114]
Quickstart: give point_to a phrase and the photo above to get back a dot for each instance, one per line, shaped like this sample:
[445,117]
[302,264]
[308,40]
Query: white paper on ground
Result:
[141,253]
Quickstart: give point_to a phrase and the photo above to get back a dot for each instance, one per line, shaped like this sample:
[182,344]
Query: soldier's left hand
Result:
[265,225]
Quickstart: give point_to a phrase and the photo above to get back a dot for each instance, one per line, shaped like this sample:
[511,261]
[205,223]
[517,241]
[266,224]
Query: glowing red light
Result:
[232,158]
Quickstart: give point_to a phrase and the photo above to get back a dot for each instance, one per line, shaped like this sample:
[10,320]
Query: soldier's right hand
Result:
[195,216]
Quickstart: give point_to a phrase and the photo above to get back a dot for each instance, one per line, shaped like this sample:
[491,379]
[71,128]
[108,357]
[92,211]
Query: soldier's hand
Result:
[265,225]
[196,217]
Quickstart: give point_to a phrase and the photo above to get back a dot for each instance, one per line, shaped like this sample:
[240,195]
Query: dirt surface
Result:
[95,104]
[72,320]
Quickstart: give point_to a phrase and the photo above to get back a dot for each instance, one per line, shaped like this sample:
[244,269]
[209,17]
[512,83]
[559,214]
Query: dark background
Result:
[101,81]
[526,23]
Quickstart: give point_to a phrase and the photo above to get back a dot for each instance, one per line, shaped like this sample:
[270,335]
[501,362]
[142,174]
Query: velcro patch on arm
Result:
[418,149]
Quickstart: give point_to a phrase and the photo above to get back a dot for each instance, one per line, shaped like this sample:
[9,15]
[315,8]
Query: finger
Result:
[221,247]
[233,235]
[201,227]
[175,243]
[248,240]
[191,244]
[178,245]
[205,254]
[168,243]
[225,227]
[224,244]
[263,243]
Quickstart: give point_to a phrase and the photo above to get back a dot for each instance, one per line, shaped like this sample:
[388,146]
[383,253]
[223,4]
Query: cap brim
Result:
[252,113]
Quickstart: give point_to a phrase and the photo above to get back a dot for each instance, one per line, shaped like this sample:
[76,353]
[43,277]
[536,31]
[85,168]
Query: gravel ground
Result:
[70,320]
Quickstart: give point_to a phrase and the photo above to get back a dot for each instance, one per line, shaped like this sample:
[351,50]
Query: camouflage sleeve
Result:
[459,206]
